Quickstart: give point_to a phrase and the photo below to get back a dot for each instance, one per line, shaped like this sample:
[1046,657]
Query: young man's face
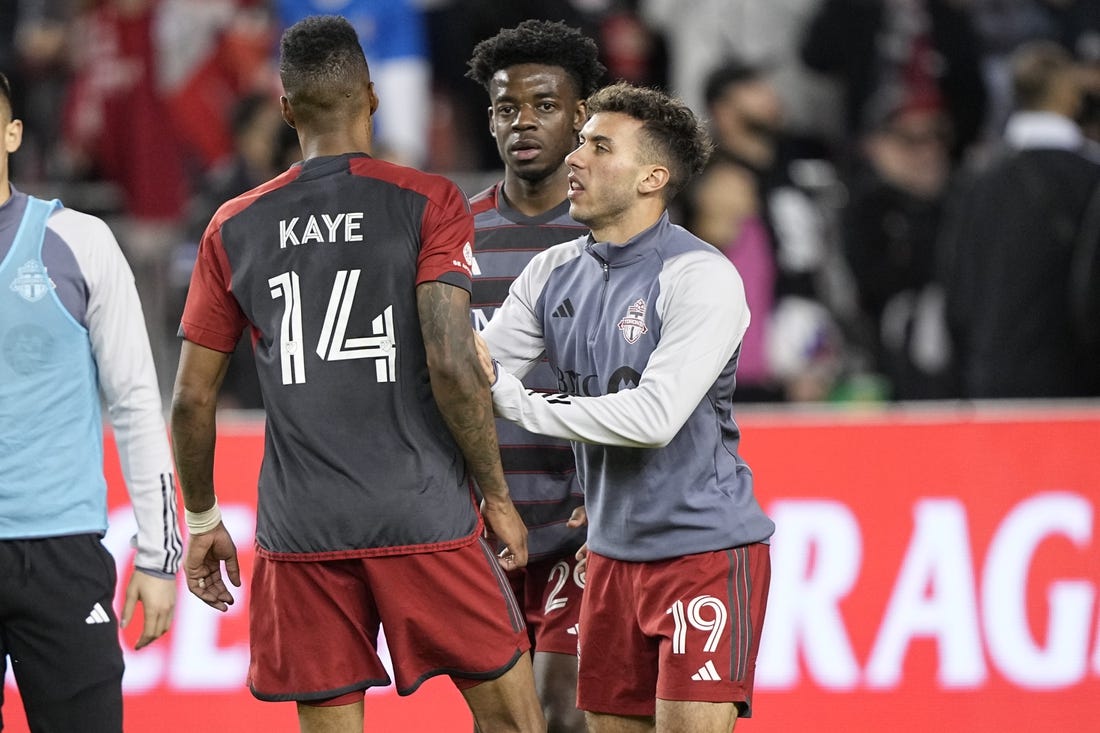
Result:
[535,116]
[606,171]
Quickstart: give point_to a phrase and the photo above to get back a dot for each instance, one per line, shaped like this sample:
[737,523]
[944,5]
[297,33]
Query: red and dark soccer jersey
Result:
[541,471]
[322,263]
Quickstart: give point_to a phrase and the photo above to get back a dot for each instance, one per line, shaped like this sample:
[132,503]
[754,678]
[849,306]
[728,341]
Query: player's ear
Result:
[655,178]
[287,110]
[373,97]
[492,127]
[13,136]
[580,115]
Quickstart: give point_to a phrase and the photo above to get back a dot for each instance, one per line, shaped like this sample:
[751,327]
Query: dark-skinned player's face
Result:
[535,116]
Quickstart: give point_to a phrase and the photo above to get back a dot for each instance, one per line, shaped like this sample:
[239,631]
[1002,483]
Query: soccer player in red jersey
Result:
[353,275]
[537,76]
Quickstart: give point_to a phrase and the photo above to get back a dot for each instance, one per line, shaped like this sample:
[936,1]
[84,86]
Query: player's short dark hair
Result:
[322,65]
[672,134]
[5,93]
[539,42]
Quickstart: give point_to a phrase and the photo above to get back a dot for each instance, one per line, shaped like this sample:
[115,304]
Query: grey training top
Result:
[645,337]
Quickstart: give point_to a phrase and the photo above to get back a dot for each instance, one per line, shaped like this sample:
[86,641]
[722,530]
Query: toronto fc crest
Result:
[633,326]
[32,283]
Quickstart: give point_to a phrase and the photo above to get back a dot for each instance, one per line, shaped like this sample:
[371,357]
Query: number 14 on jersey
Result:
[334,343]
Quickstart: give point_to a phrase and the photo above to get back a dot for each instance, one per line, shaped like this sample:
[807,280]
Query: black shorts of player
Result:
[59,628]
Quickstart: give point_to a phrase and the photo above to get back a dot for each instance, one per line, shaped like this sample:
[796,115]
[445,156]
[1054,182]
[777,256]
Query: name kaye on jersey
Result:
[321,229]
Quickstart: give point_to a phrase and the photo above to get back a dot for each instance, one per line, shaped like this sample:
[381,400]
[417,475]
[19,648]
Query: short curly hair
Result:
[672,134]
[322,65]
[540,42]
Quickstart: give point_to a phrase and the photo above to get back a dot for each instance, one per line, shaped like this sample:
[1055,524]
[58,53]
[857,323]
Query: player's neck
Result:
[532,198]
[5,190]
[337,142]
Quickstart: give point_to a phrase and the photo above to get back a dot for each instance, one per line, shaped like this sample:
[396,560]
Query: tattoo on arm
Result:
[458,383]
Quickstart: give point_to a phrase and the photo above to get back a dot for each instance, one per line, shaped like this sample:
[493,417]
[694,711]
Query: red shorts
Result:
[549,591]
[313,626]
[686,628]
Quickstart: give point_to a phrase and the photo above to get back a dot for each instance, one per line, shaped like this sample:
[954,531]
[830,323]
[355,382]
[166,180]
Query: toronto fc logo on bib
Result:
[32,283]
[633,326]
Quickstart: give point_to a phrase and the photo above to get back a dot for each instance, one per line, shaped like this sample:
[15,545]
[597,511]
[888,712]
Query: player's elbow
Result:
[188,400]
[450,370]
[659,419]
[139,402]
[659,437]
[648,434]
[456,380]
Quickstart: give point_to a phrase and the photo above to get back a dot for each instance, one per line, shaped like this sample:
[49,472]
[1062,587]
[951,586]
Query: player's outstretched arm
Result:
[194,408]
[462,393]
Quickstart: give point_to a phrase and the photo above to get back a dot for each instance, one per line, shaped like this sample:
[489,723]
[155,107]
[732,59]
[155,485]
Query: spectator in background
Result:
[1090,105]
[725,206]
[889,236]
[9,9]
[1001,26]
[1012,238]
[631,49]
[722,207]
[33,39]
[118,124]
[775,231]
[148,110]
[118,127]
[211,54]
[261,145]
[1078,26]
[876,46]
[394,38]
[763,35]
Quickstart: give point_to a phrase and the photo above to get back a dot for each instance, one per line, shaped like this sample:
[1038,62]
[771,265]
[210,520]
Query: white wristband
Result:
[199,522]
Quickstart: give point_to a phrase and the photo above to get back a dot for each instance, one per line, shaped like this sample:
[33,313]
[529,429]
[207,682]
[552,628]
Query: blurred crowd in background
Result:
[866,182]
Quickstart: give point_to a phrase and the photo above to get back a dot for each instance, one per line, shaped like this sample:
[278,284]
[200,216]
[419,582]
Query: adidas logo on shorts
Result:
[97,616]
[706,673]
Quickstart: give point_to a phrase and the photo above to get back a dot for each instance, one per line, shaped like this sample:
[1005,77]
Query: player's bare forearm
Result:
[193,422]
[458,384]
[193,436]
[193,444]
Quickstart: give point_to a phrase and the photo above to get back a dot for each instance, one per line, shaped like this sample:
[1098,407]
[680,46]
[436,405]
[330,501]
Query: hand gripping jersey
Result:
[71,326]
[541,471]
[644,337]
[322,262]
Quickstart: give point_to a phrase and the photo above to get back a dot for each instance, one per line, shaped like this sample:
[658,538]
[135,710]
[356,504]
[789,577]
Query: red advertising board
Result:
[929,569]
